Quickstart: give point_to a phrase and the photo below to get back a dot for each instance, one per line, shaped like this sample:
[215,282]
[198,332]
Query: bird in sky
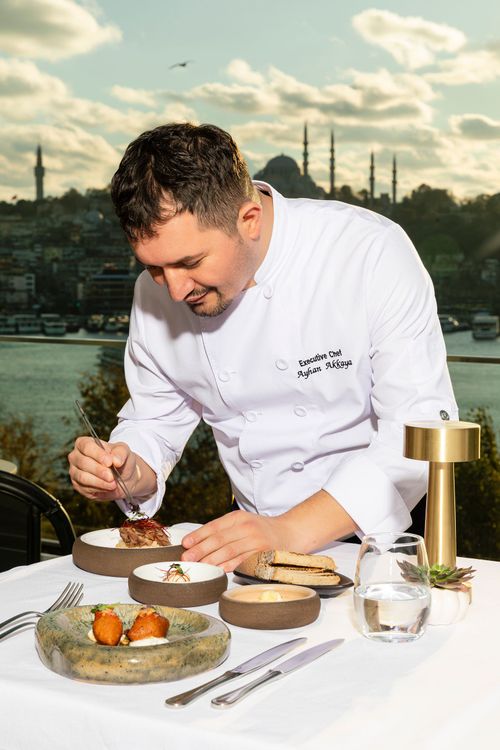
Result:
[180,64]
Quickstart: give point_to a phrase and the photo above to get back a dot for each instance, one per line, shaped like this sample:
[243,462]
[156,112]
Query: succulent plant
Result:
[439,576]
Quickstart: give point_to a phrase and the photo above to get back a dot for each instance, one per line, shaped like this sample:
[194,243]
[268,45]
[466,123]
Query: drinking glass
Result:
[392,595]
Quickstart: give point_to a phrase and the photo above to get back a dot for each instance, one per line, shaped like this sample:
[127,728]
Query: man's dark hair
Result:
[180,167]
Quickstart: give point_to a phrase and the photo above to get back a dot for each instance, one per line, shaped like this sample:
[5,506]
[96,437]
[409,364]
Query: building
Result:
[39,171]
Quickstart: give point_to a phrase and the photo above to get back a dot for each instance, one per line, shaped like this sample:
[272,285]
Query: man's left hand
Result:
[229,540]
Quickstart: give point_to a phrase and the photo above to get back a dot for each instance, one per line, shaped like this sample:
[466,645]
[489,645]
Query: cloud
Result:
[241,71]
[479,66]
[51,29]
[476,127]
[73,157]
[25,91]
[134,96]
[412,41]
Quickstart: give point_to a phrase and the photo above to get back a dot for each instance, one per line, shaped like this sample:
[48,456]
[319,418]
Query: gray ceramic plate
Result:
[196,643]
[206,584]
[97,552]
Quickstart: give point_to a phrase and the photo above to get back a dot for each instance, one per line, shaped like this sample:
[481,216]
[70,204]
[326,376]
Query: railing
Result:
[117,343]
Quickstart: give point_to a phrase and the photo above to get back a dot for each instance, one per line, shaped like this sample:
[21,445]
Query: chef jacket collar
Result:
[276,243]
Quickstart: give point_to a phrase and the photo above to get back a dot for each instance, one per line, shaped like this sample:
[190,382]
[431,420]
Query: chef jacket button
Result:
[267,291]
[300,411]
[224,376]
[298,466]
[250,416]
[444,415]
[256,464]
[281,364]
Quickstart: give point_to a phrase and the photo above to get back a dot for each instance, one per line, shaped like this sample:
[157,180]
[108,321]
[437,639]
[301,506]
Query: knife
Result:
[229,699]
[261,660]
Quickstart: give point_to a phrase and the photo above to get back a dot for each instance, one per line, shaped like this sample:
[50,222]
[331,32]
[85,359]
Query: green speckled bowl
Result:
[196,643]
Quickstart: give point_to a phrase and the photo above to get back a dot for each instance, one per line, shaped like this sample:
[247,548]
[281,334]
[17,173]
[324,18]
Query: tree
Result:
[197,490]
[478,496]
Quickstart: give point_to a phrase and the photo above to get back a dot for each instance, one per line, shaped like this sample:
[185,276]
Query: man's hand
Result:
[308,526]
[91,475]
[229,540]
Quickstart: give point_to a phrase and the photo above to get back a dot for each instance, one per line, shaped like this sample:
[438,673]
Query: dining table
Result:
[440,691]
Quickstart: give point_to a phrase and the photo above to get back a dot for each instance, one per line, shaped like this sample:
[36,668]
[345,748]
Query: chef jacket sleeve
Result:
[376,485]
[158,419]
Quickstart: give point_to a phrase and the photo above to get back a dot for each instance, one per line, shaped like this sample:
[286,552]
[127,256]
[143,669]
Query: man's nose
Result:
[177,281]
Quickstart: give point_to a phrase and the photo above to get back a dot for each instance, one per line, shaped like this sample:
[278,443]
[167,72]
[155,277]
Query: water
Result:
[41,380]
[392,612]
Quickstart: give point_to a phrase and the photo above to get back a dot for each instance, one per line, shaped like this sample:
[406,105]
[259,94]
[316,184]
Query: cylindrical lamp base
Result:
[440,515]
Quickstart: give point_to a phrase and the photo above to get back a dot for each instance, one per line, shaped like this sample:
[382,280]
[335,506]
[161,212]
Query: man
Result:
[303,332]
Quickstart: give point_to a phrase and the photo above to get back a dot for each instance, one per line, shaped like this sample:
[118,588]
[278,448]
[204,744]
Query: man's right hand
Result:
[90,468]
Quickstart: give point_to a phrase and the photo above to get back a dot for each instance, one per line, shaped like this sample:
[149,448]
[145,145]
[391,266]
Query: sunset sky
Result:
[84,78]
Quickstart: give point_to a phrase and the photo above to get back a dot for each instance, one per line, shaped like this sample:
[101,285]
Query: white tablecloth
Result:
[442,691]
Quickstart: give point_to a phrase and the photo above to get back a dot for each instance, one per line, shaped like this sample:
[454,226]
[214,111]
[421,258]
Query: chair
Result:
[22,504]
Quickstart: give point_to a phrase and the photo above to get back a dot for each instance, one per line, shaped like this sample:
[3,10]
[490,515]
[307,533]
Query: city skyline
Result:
[83,79]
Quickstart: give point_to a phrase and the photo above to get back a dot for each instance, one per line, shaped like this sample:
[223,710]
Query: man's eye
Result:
[192,265]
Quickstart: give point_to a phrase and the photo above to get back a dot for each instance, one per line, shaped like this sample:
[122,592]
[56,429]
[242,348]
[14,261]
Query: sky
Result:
[419,80]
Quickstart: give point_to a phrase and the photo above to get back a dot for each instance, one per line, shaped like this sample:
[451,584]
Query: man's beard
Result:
[220,306]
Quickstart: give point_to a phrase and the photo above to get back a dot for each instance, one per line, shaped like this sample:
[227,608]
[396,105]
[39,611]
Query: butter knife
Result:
[305,657]
[261,660]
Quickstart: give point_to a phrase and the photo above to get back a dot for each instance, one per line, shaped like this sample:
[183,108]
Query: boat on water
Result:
[449,324]
[485,326]
[111,325]
[27,324]
[7,325]
[94,323]
[53,324]
[73,323]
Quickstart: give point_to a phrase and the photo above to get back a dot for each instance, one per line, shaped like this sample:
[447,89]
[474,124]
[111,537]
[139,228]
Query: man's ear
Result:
[250,220]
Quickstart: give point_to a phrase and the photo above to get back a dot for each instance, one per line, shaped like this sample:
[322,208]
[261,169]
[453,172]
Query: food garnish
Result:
[107,627]
[148,624]
[141,531]
[175,574]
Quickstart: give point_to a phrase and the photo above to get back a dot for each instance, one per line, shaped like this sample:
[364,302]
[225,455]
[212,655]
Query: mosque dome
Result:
[282,165]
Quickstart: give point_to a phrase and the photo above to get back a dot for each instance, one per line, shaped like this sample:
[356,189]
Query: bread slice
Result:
[296,559]
[301,576]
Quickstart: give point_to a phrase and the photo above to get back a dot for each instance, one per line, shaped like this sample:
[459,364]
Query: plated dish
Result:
[177,583]
[324,591]
[268,606]
[196,642]
[98,552]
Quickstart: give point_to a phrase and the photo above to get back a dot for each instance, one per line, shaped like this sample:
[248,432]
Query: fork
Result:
[72,601]
[67,598]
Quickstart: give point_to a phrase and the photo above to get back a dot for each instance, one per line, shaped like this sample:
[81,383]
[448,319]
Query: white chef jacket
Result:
[307,378]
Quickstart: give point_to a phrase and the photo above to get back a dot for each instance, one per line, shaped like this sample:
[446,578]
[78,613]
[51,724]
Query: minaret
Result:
[39,171]
[305,163]
[394,180]
[332,166]
[372,178]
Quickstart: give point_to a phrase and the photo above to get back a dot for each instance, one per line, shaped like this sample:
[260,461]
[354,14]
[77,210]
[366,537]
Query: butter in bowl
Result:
[177,584]
[273,606]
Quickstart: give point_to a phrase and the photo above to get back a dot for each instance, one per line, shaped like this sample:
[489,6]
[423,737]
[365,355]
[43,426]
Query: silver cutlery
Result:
[261,660]
[69,597]
[133,506]
[305,657]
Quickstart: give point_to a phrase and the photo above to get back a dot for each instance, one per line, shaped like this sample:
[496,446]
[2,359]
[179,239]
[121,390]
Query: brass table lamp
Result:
[442,443]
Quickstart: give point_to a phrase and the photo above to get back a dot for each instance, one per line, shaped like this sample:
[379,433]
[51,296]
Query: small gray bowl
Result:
[299,605]
[206,584]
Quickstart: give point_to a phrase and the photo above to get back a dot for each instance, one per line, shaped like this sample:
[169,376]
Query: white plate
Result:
[111,537]
[197,571]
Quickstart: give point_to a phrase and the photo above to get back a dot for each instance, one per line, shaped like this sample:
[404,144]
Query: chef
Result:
[303,332]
